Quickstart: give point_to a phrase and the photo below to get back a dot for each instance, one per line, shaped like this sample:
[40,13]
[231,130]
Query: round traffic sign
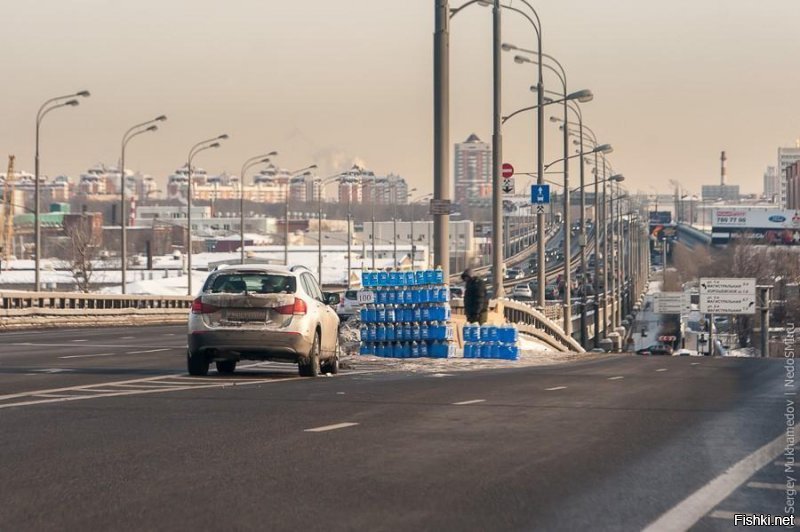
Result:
[508,170]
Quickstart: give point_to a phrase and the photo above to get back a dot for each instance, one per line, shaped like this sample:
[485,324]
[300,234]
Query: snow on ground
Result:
[743,352]
[166,278]
[528,358]
[532,353]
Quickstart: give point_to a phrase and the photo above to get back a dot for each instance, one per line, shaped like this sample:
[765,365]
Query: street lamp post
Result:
[197,148]
[252,161]
[134,131]
[603,148]
[68,100]
[302,172]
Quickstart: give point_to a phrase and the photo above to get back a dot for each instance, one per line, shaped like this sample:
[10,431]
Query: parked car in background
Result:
[263,312]
[348,305]
[456,292]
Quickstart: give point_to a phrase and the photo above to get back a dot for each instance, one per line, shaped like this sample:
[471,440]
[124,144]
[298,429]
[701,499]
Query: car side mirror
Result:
[332,298]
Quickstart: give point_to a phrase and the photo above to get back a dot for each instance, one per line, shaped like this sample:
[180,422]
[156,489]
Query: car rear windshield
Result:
[254,282]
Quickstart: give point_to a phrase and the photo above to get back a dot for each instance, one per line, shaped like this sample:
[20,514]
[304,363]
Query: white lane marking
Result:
[51,395]
[339,393]
[723,514]
[147,351]
[690,510]
[556,388]
[80,340]
[89,356]
[661,369]
[618,377]
[53,370]
[134,392]
[127,337]
[767,486]
[435,375]
[695,363]
[471,402]
[102,345]
[326,428]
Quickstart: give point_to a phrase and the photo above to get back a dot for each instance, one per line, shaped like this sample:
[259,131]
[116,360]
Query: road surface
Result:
[125,440]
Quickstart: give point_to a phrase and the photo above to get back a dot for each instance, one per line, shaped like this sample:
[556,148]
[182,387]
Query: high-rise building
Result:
[771,183]
[786,157]
[793,186]
[473,172]
[303,188]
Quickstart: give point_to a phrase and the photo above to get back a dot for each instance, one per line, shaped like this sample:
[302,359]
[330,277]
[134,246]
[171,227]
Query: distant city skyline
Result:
[322,83]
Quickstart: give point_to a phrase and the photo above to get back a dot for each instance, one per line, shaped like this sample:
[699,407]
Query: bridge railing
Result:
[64,303]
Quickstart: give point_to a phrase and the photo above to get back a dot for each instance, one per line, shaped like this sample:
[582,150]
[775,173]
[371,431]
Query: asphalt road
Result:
[127,441]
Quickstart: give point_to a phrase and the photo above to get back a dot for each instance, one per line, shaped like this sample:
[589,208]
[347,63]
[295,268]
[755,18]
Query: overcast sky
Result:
[333,82]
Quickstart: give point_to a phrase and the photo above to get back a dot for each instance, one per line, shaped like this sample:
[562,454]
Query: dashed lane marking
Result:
[89,356]
[556,388]
[470,402]
[127,337]
[766,486]
[724,514]
[80,340]
[327,428]
[618,377]
[694,507]
[661,369]
[146,351]
[695,363]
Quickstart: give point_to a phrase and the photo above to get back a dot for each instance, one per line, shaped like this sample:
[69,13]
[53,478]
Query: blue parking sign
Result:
[540,194]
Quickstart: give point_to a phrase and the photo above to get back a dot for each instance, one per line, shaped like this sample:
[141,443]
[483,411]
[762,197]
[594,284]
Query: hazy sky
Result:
[336,81]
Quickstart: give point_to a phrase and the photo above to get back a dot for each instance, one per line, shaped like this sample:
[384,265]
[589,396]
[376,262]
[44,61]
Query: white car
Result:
[263,312]
[522,290]
[348,306]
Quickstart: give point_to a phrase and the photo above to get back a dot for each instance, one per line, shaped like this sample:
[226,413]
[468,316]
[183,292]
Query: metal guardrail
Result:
[522,313]
[29,303]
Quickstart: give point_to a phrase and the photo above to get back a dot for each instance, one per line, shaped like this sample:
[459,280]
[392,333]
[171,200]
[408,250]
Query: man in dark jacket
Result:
[476,304]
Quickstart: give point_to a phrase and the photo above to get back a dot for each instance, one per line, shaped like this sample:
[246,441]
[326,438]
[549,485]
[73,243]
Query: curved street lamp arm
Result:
[456,10]
[40,115]
[137,126]
[530,108]
[193,151]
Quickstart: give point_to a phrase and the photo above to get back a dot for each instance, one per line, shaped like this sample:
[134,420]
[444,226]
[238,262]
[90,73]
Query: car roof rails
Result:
[298,267]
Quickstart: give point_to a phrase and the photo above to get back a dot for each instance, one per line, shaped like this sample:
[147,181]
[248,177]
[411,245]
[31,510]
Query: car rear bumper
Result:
[251,345]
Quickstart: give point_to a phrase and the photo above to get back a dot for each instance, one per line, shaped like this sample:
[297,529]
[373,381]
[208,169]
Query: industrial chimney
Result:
[722,159]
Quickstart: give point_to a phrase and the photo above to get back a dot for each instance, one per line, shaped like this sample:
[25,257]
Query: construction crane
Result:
[7,226]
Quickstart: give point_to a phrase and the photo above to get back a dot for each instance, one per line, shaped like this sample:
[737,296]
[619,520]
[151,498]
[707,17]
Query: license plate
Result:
[246,315]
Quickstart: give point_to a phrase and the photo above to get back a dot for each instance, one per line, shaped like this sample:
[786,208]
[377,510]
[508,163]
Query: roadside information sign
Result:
[671,302]
[727,295]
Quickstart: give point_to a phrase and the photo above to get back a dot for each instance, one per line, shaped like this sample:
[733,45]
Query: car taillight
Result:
[299,307]
[198,307]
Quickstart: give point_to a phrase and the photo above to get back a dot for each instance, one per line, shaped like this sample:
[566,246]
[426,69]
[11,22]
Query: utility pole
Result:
[441,133]
[764,309]
[497,158]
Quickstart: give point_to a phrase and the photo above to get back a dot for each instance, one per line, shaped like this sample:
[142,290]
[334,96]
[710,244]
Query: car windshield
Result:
[253,282]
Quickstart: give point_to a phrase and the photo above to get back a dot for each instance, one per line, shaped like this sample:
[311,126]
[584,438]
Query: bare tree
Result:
[82,249]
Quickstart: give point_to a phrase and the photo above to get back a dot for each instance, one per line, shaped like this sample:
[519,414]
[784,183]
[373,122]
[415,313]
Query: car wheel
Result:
[309,366]
[332,364]
[226,366]
[196,363]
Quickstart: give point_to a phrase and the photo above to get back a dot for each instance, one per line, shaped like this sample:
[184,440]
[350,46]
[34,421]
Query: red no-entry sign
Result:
[508,170]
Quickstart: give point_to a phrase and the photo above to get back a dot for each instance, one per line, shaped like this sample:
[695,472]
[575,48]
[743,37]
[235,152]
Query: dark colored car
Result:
[656,349]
